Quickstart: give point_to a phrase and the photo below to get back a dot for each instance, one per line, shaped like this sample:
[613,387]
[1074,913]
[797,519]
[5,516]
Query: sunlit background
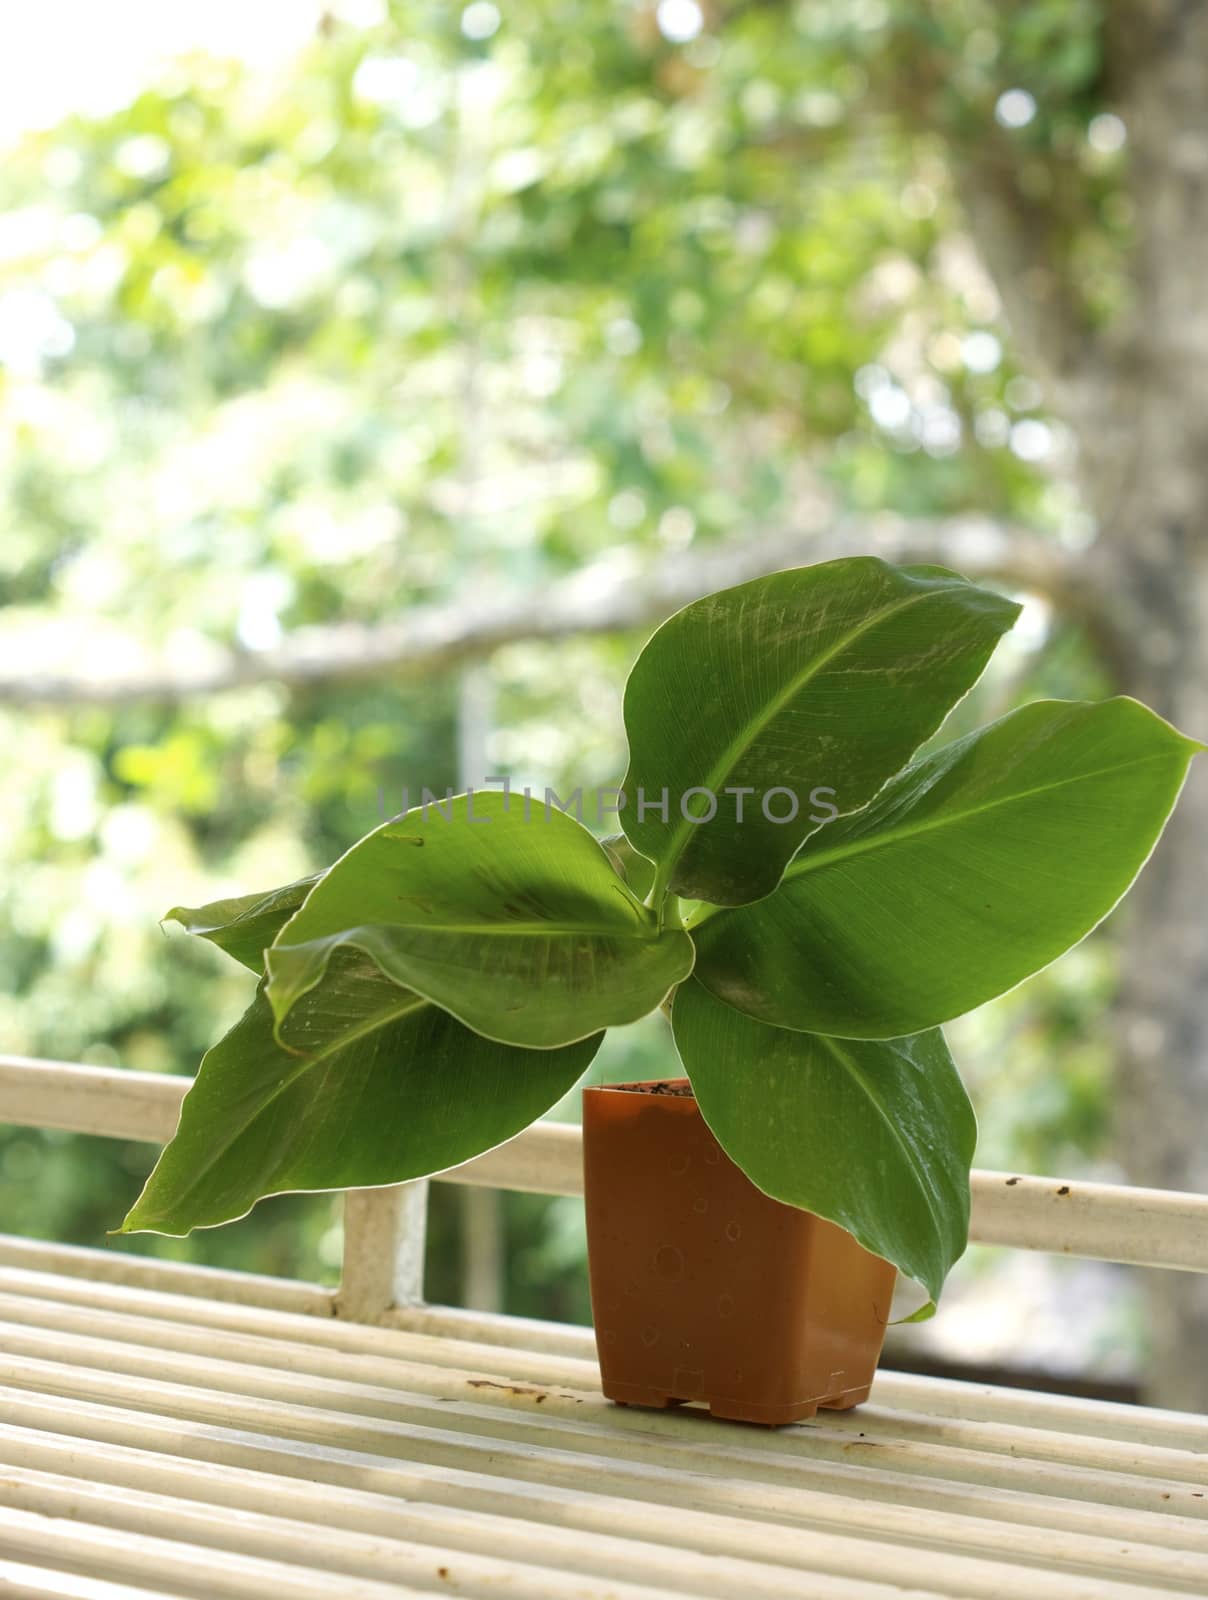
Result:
[313,315]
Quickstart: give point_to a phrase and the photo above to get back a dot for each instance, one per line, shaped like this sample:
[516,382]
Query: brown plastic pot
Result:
[702,1287]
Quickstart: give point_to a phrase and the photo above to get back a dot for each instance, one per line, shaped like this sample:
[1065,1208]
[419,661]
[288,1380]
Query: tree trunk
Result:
[1161,1020]
[1157,525]
[1146,475]
[1134,394]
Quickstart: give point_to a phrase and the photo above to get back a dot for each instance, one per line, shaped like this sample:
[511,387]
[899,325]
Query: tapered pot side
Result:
[705,1289]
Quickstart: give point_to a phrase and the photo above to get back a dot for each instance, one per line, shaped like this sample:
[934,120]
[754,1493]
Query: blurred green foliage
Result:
[448,305]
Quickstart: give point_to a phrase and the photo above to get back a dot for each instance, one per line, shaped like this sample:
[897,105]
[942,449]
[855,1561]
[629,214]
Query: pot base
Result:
[770,1416]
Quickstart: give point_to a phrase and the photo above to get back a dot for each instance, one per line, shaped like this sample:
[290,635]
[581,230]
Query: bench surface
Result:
[161,1442]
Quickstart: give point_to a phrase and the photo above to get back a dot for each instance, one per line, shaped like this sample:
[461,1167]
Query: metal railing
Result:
[384,1229]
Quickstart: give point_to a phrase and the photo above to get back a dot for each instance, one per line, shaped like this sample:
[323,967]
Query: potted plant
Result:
[807,895]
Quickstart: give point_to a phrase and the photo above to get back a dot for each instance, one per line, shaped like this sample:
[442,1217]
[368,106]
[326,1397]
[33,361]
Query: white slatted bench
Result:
[177,1431]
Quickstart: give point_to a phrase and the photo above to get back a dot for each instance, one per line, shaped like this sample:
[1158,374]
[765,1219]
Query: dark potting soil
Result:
[683,1090]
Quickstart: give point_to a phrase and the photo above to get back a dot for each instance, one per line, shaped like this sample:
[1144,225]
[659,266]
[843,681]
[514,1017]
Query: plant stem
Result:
[670,911]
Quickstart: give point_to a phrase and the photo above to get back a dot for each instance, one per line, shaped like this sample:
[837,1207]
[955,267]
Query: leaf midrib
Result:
[804,865]
[638,934]
[861,1080]
[742,742]
[379,1019]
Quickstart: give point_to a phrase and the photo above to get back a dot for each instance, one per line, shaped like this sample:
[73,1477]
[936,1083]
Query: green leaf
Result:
[388,1088]
[247,924]
[818,683]
[507,914]
[971,870]
[877,1136]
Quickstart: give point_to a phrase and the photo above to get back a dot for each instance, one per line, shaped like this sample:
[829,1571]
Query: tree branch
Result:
[609,596]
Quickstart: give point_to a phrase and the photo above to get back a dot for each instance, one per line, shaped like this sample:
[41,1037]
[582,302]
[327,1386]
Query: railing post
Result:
[384,1235]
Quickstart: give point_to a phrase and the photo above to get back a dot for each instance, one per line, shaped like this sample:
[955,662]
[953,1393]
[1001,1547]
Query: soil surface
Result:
[663,1086]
